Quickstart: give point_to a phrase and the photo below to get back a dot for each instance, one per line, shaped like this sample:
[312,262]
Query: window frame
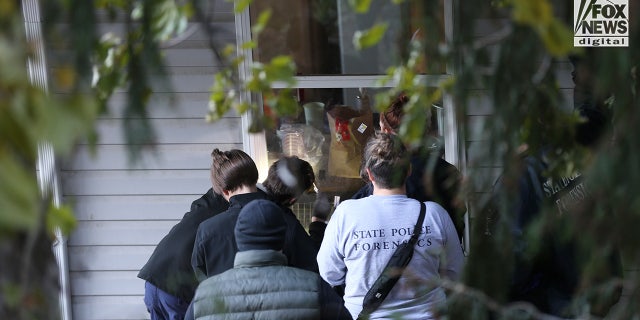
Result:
[255,144]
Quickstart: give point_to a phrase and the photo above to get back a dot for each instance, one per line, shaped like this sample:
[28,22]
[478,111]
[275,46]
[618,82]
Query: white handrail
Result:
[46,166]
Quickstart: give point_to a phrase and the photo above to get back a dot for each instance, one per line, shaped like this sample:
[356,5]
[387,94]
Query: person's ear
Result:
[226,194]
[369,175]
[385,129]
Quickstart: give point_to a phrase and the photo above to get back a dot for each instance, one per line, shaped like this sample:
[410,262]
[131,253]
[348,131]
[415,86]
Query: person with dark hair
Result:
[261,285]
[432,178]
[169,280]
[288,178]
[363,234]
[215,246]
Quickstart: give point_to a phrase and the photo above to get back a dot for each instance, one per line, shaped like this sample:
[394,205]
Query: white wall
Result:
[123,211]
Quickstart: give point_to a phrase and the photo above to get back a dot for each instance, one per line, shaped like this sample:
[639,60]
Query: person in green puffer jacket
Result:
[261,285]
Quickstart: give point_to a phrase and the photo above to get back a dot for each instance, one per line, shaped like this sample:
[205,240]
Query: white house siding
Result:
[124,210]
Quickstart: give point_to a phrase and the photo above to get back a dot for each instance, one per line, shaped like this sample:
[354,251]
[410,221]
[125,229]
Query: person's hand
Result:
[321,207]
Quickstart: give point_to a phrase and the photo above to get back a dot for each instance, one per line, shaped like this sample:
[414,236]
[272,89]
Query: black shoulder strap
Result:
[418,227]
[385,282]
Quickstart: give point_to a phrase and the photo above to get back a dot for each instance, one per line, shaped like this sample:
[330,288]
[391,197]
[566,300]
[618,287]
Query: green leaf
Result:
[249,45]
[136,13]
[537,12]
[228,50]
[19,195]
[63,124]
[243,107]
[281,68]
[62,218]
[285,104]
[412,127]
[360,6]
[368,38]
[168,19]
[240,5]
[261,23]
[558,39]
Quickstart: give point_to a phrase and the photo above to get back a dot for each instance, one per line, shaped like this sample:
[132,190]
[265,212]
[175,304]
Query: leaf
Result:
[19,195]
[281,68]
[368,38]
[63,124]
[285,104]
[413,128]
[61,218]
[360,6]
[7,8]
[242,107]
[249,45]
[558,39]
[168,19]
[240,5]
[228,50]
[261,23]
[532,12]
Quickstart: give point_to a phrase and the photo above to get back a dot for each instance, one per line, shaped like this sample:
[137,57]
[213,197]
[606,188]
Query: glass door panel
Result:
[332,123]
[329,131]
[318,34]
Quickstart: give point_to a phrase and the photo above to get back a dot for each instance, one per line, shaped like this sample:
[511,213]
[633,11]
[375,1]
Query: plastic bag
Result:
[303,141]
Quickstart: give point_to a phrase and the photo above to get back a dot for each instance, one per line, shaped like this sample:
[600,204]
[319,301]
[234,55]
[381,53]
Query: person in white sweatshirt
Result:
[363,234]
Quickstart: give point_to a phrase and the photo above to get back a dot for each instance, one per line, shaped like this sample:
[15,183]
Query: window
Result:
[332,74]
[318,34]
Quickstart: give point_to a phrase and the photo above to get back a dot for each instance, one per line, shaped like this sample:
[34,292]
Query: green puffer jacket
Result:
[261,286]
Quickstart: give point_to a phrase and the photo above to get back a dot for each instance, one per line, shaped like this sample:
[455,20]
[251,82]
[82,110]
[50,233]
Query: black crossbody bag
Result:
[392,271]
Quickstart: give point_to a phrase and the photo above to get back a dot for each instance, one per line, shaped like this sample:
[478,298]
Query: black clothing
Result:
[215,245]
[550,277]
[299,247]
[169,266]
[207,200]
[316,232]
[260,226]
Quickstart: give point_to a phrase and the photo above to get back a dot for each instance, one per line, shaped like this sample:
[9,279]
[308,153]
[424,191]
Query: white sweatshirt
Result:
[363,234]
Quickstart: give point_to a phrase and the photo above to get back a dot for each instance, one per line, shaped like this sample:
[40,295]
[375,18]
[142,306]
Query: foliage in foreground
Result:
[515,64]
